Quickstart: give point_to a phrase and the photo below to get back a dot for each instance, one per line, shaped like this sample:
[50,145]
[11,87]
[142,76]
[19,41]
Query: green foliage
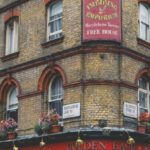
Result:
[3,136]
[38,129]
[42,128]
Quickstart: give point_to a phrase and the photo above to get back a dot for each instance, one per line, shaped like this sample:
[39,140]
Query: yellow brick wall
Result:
[129,68]
[101,68]
[101,102]
[29,113]
[97,101]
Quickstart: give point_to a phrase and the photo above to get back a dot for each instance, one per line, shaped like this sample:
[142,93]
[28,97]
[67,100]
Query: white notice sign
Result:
[71,110]
[130,110]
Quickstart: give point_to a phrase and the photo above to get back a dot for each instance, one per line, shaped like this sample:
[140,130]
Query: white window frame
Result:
[56,34]
[142,23]
[61,96]
[146,91]
[9,109]
[11,45]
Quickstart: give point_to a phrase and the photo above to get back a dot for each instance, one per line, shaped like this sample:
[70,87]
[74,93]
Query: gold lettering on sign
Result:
[123,146]
[101,17]
[97,3]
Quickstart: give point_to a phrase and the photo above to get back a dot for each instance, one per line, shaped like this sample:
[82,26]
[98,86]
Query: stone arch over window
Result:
[5,87]
[9,91]
[142,72]
[10,14]
[144,1]
[46,76]
[51,83]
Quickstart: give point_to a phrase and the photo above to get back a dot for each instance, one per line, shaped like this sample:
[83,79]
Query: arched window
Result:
[12,103]
[144,95]
[56,93]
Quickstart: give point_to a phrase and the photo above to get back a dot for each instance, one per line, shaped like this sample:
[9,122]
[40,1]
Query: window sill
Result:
[52,42]
[10,56]
[143,43]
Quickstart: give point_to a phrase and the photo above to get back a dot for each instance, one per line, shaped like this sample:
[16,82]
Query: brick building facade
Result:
[101,75]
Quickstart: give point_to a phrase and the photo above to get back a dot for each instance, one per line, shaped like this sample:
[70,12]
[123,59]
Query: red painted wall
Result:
[91,145]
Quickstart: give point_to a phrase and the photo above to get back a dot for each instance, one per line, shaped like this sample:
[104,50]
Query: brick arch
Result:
[10,14]
[142,72]
[47,74]
[144,1]
[5,86]
[47,2]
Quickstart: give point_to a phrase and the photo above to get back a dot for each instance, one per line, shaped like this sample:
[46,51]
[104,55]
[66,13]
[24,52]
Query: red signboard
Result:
[91,145]
[102,20]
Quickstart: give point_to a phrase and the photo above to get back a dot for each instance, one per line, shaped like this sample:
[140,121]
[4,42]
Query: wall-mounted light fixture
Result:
[42,143]
[79,141]
[15,147]
[130,139]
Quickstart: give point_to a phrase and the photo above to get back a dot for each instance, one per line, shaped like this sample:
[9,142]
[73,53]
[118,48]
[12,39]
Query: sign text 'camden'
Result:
[106,15]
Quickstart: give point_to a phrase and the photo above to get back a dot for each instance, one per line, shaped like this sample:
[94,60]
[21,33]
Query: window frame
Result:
[50,100]
[145,91]
[147,26]
[12,110]
[57,34]
[11,46]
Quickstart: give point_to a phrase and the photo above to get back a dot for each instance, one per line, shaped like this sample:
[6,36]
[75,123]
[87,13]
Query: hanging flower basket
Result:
[8,128]
[11,135]
[145,117]
[141,129]
[55,128]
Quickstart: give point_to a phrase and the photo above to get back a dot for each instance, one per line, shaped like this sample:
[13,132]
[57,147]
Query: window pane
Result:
[12,99]
[56,25]
[56,97]
[11,36]
[142,83]
[57,89]
[57,105]
[143,99]
[143,31]
[142,110]
[55,8]
[13,114]
[144,14]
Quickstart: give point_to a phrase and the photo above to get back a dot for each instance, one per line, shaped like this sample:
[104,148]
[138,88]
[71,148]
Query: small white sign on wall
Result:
[130,110]
[71,110]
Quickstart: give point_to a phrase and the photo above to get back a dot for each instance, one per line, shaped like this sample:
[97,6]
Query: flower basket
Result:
[141,129]
[3,133]
[48,123]
[3,136]
[11,135]
[43,125]
[54,116]
[8,129]
[147,126]
[145,117]
[55,128]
